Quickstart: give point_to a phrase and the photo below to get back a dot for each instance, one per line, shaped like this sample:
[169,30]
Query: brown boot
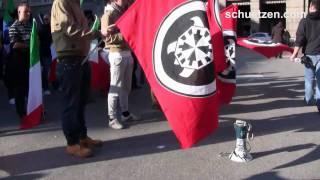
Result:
[90,143]
[78,151]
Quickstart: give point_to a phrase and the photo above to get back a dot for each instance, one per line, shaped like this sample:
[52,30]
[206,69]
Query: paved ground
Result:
[269,95]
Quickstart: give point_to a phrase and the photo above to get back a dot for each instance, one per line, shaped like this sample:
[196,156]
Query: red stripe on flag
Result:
[33,119]
[266,50]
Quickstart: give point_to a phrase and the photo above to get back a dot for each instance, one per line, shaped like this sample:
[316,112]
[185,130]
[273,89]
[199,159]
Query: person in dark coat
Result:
[45,51]
[277,34]
[308,39]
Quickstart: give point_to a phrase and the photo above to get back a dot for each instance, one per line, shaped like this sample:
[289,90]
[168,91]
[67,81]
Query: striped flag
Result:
[35,106]
[7,20]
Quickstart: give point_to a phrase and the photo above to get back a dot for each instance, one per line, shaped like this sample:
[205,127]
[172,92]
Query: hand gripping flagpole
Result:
[94,49]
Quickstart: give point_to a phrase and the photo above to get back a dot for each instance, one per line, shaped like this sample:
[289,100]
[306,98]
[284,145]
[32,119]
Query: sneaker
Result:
[78,151]
[130,117]
[12,101]
[90,143]
[47,92]
[115,124]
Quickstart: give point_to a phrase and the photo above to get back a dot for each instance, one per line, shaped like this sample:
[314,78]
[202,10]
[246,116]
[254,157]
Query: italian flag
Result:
[34,106]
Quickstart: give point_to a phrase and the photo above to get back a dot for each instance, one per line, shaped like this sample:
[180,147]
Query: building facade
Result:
[289,12]
[44,6]
[247,24]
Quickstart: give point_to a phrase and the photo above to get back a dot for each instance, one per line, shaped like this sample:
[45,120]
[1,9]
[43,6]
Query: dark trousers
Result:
[45,64]
[74,80]
[8,76]
[20,75]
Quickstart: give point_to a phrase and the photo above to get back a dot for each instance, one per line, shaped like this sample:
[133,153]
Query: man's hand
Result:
[295,53]
[19,45]
[293,57]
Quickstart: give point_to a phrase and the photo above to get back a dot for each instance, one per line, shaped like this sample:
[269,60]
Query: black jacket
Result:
[307,35]
[45,40]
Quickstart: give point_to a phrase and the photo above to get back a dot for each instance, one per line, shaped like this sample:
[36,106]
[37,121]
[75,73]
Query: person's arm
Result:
[15,39]
[113,34]
[67,23]
[301,39]
[295,53]
[19,45]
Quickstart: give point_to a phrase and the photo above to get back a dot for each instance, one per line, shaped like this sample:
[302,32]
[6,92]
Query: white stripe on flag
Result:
[94,57]
[35,88]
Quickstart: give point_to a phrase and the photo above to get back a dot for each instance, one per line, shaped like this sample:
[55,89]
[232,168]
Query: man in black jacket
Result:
[45,51]
[307,37]
[19,33]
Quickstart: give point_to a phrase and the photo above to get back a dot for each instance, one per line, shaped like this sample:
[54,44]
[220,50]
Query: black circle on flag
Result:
[182,54]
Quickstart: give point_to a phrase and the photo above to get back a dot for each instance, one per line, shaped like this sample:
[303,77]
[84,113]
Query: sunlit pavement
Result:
[269,95]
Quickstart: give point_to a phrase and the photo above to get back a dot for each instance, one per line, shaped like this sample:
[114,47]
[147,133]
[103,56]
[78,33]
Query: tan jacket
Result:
[69,29]
[114,41]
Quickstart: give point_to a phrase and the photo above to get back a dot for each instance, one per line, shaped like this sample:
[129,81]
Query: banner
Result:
[178,45]
[35,105]
[227,78]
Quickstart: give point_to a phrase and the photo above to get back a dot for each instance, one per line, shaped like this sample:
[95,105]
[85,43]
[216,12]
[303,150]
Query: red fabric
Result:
[217,38]
[191,119]
[52,73]
[33,119]
[226,92]
[227,89]
[229,23]
[100,75]
[267,51]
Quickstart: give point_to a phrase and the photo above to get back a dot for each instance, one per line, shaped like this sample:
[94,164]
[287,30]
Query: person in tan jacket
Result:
[71,38]
[121,64]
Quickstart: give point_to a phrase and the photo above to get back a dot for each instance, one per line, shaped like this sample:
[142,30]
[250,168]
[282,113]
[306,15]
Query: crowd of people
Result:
[68,29]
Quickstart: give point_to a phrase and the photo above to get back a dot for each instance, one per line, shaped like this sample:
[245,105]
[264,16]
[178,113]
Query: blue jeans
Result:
[309,76]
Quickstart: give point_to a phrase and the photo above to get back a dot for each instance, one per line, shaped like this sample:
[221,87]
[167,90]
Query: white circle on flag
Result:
[186,85]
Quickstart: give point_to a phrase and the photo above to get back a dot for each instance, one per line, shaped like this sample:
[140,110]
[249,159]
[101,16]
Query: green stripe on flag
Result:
[34,45]
[96,24]
[8,10]
[81,2]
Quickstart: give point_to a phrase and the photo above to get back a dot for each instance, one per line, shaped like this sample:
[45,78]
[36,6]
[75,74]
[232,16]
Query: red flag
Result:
[226,81]
[99,69]
[174,47]
[267,49]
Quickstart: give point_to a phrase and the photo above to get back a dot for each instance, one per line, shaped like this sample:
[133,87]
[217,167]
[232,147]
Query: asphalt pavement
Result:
[269,95]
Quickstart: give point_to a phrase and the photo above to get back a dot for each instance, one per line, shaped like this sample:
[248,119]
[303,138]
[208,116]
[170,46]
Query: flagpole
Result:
[93,50]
